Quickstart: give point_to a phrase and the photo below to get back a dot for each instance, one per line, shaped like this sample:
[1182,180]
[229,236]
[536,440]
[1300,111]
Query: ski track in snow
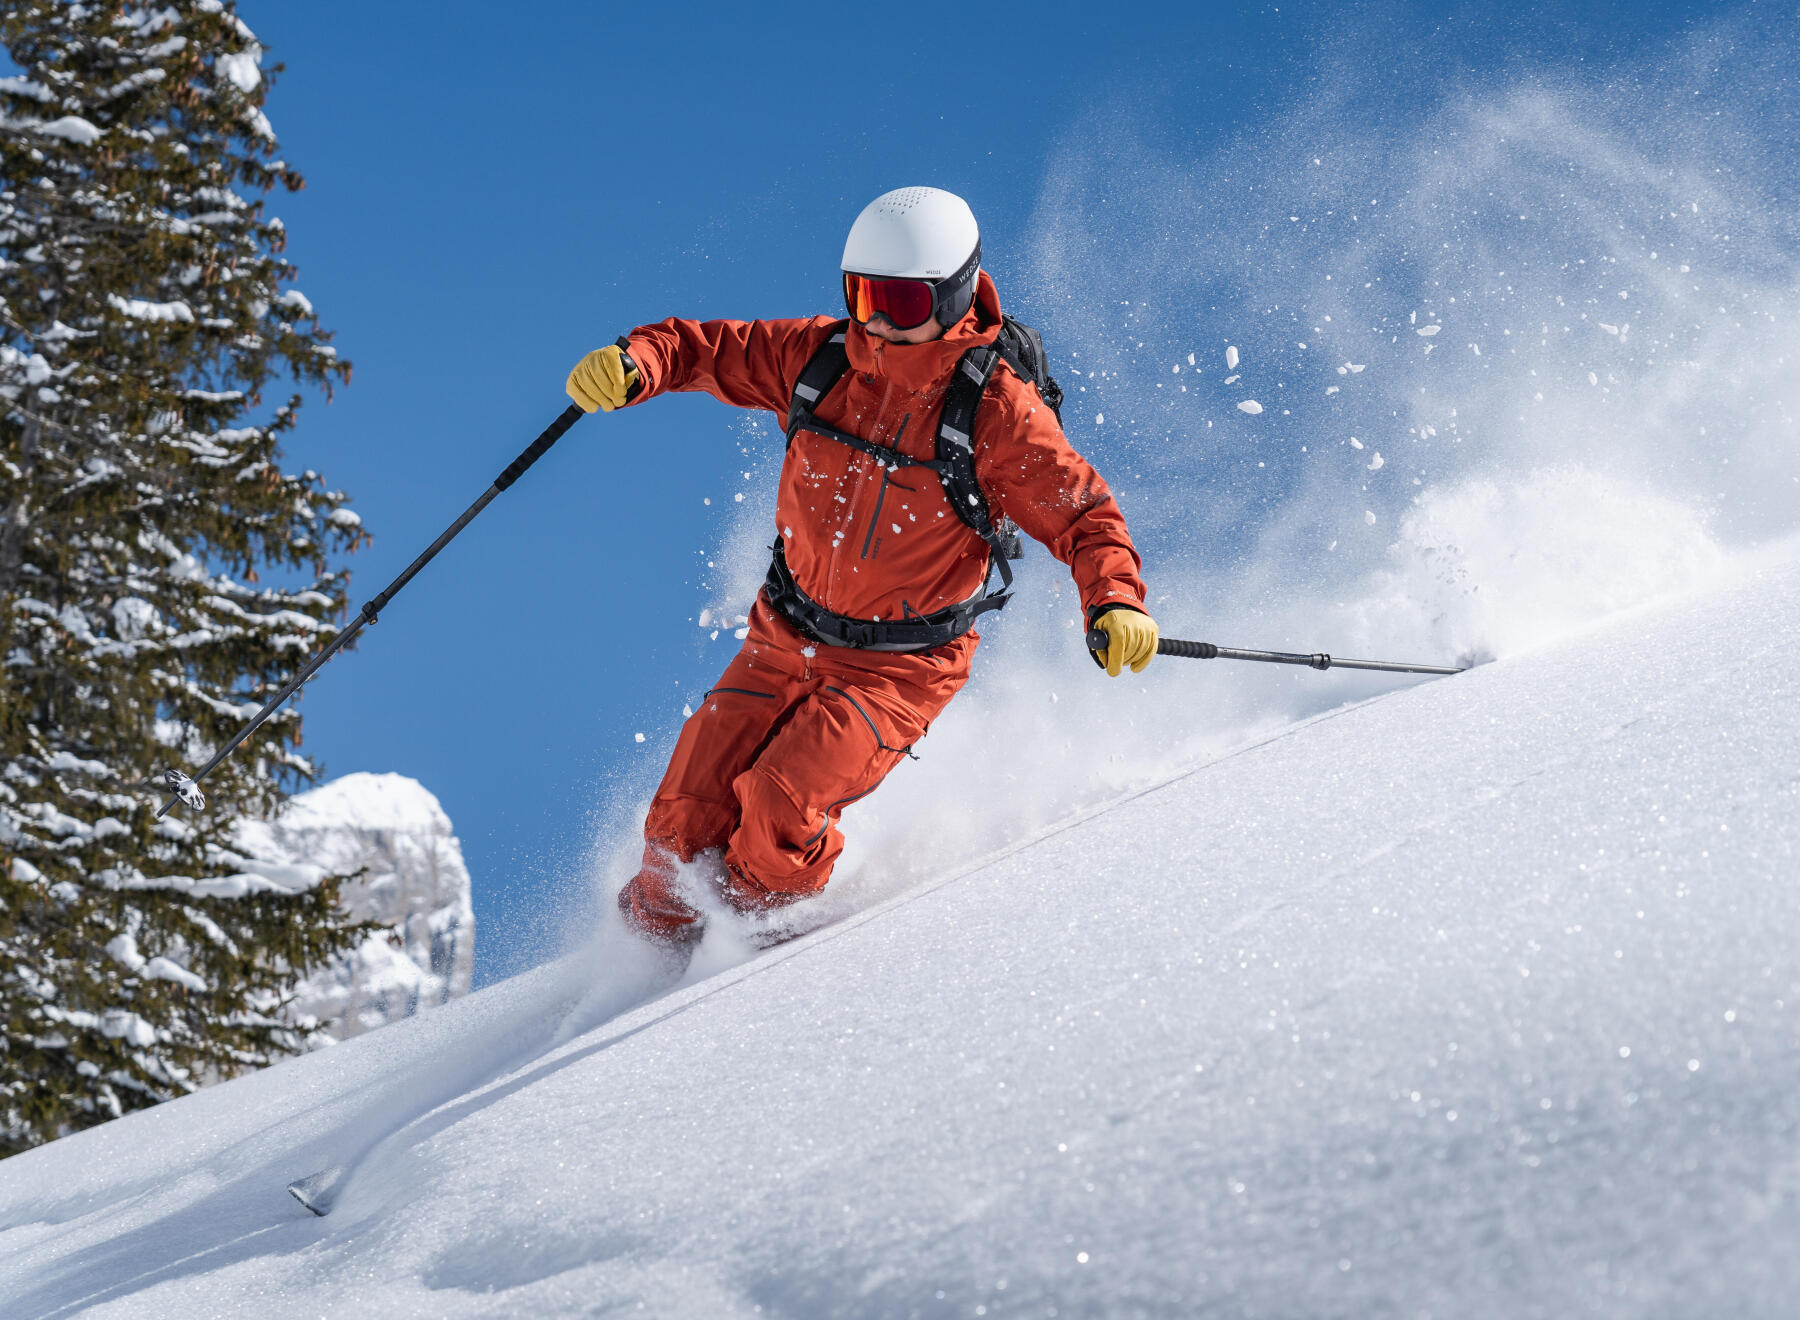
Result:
[1472,999]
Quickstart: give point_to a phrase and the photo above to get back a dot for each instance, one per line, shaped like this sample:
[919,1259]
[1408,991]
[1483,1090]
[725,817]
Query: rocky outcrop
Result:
[414,883]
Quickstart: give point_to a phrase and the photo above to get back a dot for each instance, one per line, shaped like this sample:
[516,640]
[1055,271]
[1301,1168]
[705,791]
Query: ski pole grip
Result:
[1097,640]
[1187,650]
[540,446]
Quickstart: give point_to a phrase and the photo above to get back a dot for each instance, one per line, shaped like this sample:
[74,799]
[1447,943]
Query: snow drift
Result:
[1473,1000]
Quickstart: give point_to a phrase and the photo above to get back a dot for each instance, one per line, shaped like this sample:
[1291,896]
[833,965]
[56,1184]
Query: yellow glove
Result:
[604,379]
[1131,640]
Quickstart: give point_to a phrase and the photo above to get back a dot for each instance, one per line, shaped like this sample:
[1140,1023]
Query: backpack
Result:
[1022,349]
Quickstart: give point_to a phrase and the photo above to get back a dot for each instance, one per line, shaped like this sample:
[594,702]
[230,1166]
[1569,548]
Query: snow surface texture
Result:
[1476,999]
[415,885]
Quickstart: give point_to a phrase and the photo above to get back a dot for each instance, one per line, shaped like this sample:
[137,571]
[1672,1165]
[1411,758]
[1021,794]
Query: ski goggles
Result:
[906,303]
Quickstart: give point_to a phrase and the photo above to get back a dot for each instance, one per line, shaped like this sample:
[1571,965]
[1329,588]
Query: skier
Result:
[891,519]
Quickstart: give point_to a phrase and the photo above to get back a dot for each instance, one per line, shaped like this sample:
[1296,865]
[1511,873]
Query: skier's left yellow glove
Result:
[1131,640]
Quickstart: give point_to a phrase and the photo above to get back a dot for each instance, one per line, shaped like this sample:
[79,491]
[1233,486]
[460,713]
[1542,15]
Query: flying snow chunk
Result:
[1231,357]
[1375,463]
[637,737]
[1429,330]
[1368,517]
[1250,406]
[1355,443]
[1099,419]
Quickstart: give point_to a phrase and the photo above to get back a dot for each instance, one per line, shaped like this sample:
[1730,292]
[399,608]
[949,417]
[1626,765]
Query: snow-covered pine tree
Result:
[142,316]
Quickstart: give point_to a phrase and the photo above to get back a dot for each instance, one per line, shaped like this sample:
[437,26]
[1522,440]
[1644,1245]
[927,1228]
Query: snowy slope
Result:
[1475,1000]
[414,883]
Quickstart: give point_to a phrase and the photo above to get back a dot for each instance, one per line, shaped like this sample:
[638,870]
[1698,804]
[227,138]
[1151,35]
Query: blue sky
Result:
[491,193]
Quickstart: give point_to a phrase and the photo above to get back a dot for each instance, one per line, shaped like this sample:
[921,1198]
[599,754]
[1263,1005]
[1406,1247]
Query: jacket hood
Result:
[921,367]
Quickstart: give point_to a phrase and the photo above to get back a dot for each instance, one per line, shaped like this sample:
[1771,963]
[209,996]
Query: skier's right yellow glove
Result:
[605,379]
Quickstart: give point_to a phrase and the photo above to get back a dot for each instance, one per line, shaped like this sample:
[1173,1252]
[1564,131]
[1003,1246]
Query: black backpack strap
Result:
[956,437]
[956,459]
[823,370]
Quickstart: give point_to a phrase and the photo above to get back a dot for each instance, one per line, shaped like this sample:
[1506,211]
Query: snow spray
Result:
[1450,375]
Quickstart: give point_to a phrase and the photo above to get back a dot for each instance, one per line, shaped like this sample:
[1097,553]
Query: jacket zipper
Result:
[831,576]
[887,475]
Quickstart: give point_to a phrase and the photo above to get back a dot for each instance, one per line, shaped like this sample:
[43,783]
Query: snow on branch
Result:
[139,309]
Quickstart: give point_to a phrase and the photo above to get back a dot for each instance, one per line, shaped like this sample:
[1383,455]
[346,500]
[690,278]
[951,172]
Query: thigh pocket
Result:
[838,748]
[720,740]
[893,738]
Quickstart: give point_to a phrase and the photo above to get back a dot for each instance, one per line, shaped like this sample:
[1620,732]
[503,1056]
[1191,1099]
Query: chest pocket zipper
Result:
[887,478]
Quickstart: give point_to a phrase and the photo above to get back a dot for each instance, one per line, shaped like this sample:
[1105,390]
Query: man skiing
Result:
[891,518]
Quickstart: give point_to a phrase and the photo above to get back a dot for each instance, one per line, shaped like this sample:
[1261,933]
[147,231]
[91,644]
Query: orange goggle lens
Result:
[907,303]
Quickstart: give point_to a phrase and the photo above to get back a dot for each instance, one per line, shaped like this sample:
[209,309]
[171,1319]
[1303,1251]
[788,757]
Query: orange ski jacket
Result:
[875,542]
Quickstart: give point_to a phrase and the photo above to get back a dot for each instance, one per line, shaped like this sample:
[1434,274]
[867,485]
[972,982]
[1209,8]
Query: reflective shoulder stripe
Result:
[960,437]
[823,370]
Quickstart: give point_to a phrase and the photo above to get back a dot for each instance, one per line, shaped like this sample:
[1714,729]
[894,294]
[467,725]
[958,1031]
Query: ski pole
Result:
[1097,640]
[185,789]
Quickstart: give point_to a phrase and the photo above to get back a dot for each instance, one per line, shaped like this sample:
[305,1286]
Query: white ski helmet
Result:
[921,234]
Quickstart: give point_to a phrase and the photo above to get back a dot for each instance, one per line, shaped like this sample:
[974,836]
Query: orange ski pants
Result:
[792,734]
